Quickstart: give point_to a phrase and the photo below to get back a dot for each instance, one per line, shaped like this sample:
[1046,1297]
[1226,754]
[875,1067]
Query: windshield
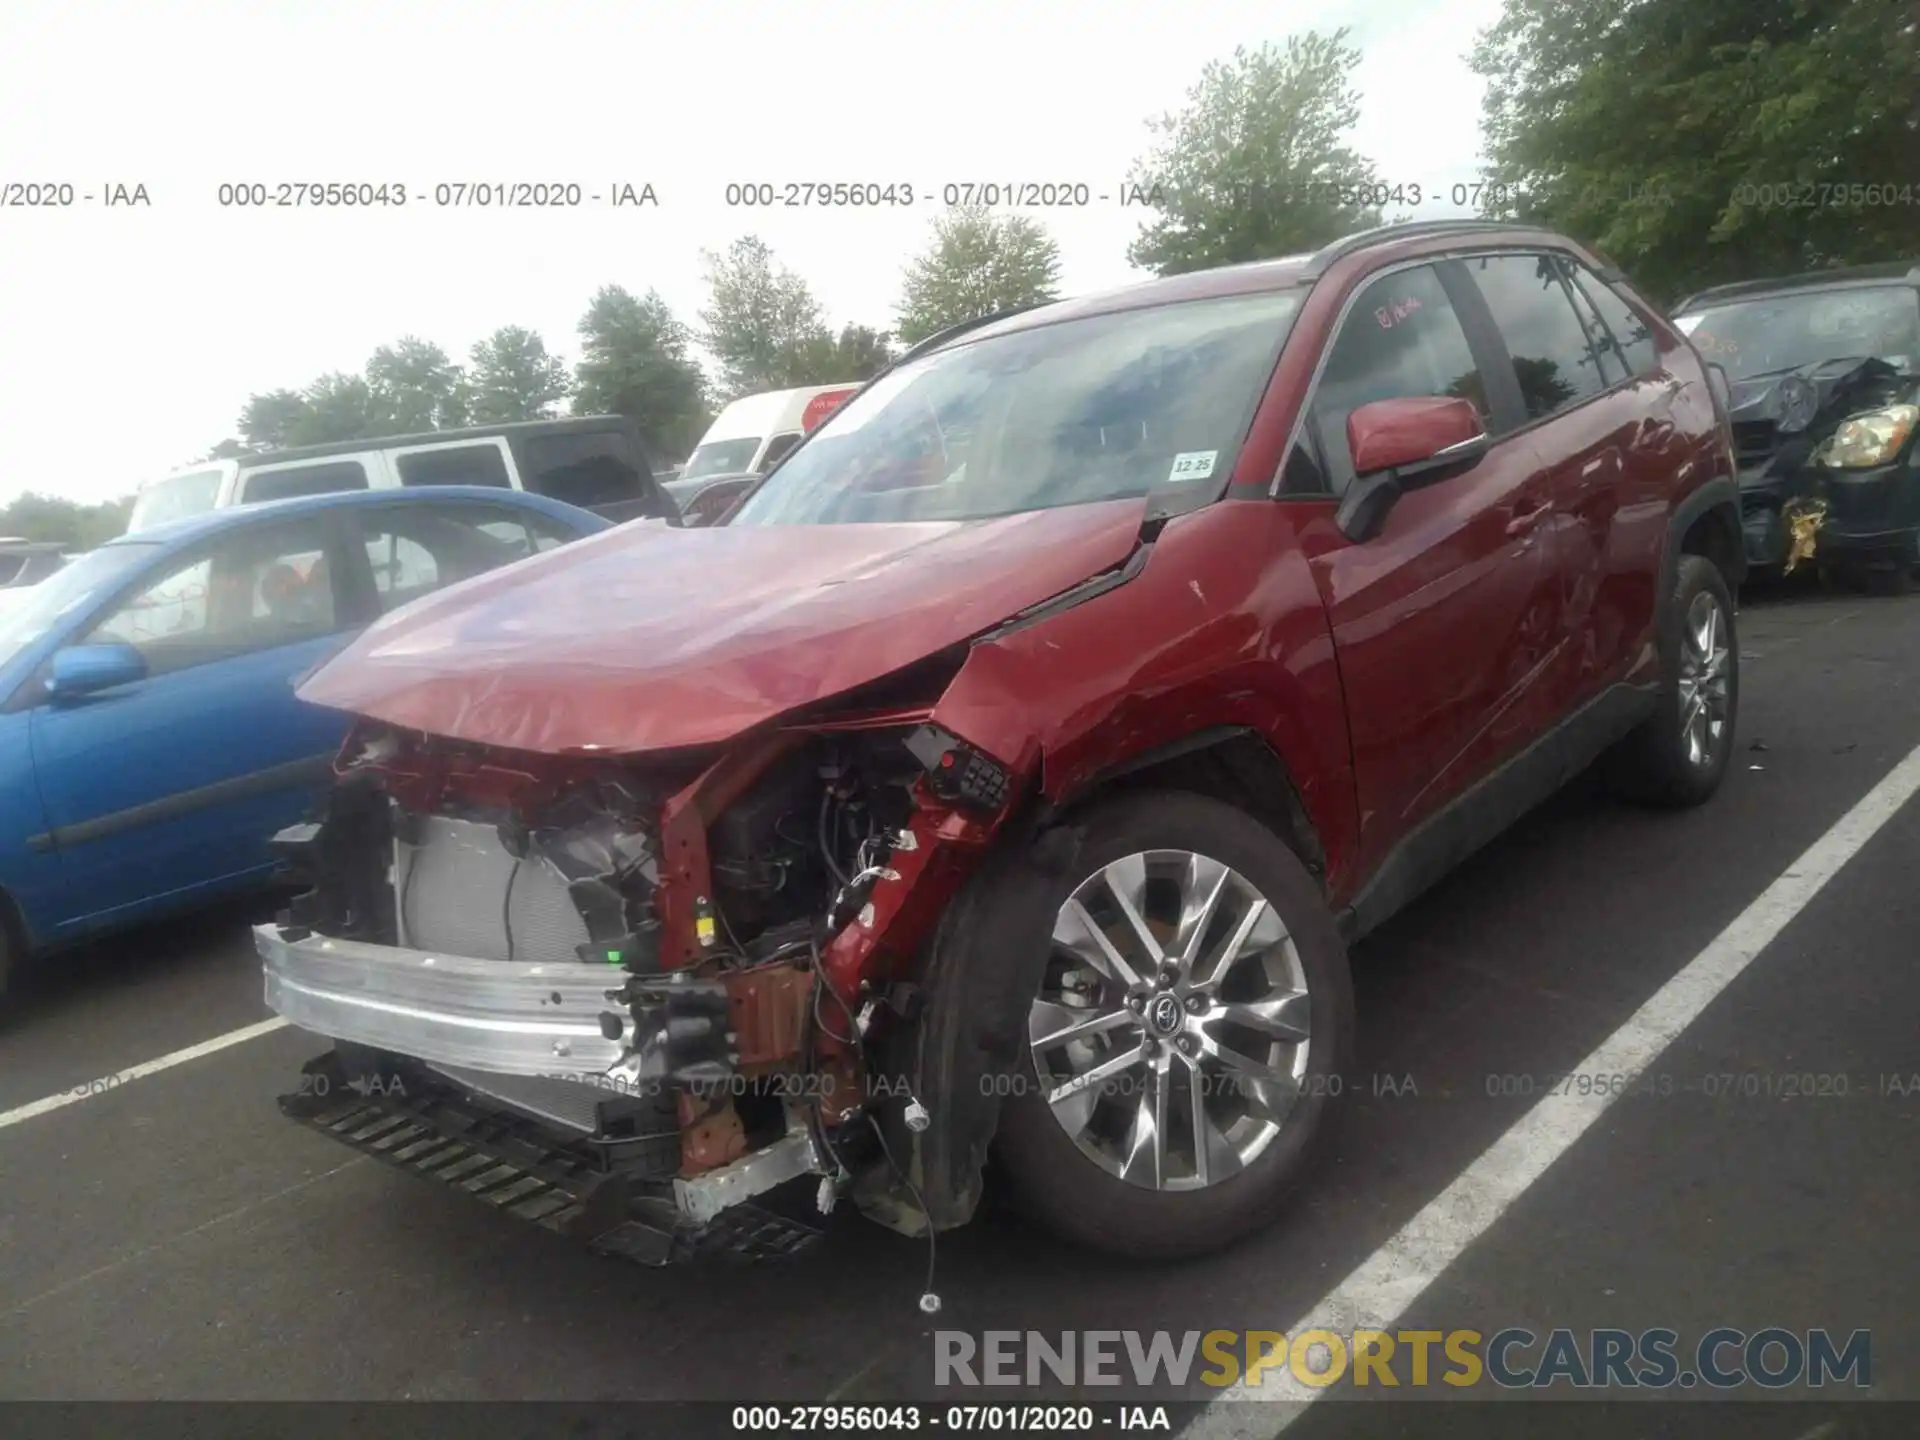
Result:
[174,498]
[722,457]
[1787,332]
[1104,408]
[45,605]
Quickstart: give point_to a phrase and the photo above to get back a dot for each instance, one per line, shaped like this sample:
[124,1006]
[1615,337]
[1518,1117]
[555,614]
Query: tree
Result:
[761,323]
[341,407]
[859,353]
[1257,166]
[977,264]
[634,362]
[512,377]
[856,353]
[50,518]
[267,421]
[418,386]
[1702,141]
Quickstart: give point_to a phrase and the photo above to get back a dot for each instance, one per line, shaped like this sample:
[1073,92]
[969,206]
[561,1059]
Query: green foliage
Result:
[78,527]
[1256,166]
[977,264]
[267,421]
[418,386]
[634,362]
[856,353]
[761,323]
[341,407]
[1702,141]
[512,377]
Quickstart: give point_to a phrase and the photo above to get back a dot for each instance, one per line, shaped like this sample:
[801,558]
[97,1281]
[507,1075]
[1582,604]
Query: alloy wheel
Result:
[1704,689]
[1170,1035]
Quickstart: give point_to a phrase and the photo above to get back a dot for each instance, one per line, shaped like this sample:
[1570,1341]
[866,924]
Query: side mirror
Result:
[1400,444]
[88,669]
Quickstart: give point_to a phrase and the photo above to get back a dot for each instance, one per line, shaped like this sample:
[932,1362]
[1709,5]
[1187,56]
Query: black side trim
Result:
[1447,838]
[1173,749]
[1721,490]
[1086,590]
[313,770]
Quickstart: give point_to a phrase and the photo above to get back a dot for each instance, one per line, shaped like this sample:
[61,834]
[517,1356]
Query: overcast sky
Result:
[130,338]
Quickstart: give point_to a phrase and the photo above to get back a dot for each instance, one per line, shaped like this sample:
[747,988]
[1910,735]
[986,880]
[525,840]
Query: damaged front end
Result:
[631,998]
[1827,471]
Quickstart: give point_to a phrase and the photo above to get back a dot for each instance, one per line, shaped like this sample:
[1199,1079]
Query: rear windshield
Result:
[175,498]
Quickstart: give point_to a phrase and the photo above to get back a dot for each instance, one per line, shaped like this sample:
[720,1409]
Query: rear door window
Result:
[1629,331]
[1552,359]
[1613,364]
[480,464]
[415,550]
[320,477]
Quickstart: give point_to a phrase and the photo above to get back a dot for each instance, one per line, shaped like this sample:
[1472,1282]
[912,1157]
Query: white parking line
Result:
[87,1089]
[1384,1286]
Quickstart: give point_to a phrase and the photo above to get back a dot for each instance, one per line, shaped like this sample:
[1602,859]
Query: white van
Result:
[755,432]
[597,462]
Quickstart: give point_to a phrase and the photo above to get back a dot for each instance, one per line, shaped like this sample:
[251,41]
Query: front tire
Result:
[1679,754]
[1189,1028]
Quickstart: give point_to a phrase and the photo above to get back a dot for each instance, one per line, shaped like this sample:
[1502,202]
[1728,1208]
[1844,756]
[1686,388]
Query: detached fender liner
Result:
[961,1055]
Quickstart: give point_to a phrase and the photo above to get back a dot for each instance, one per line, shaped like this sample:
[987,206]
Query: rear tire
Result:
[1678,756]
[1183,1152]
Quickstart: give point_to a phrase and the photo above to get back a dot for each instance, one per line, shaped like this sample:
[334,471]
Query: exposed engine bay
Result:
[636,993]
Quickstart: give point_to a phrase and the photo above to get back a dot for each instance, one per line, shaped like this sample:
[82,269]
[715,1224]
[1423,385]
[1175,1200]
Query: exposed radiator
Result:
[460,892]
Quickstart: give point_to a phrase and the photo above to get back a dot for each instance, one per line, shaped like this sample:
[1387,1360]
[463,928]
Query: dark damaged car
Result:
[1007,774]
[1825,379]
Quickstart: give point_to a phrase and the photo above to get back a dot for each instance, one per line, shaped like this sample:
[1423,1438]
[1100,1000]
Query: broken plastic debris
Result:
[1804,519]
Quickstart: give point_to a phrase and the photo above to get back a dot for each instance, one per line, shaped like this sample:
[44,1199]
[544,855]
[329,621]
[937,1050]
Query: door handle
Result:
[1527,521]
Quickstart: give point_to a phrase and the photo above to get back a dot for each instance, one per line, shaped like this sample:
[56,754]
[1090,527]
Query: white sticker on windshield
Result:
[1193,465]
[1687,324]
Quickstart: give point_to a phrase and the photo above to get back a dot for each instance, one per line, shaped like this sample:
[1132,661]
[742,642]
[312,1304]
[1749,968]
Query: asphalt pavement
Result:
[171,1236]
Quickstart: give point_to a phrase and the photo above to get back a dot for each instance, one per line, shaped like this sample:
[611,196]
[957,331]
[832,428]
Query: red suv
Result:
[1010,771]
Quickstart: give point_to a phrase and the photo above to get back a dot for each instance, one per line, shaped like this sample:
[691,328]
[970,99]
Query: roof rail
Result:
[1322,259]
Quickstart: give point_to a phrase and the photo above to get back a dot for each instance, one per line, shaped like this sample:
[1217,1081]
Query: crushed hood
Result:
[648,637]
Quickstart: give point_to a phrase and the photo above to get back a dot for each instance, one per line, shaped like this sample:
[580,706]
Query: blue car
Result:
[150,741]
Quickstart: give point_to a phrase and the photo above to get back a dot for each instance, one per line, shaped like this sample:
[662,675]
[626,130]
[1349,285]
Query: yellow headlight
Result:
[1870,439]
